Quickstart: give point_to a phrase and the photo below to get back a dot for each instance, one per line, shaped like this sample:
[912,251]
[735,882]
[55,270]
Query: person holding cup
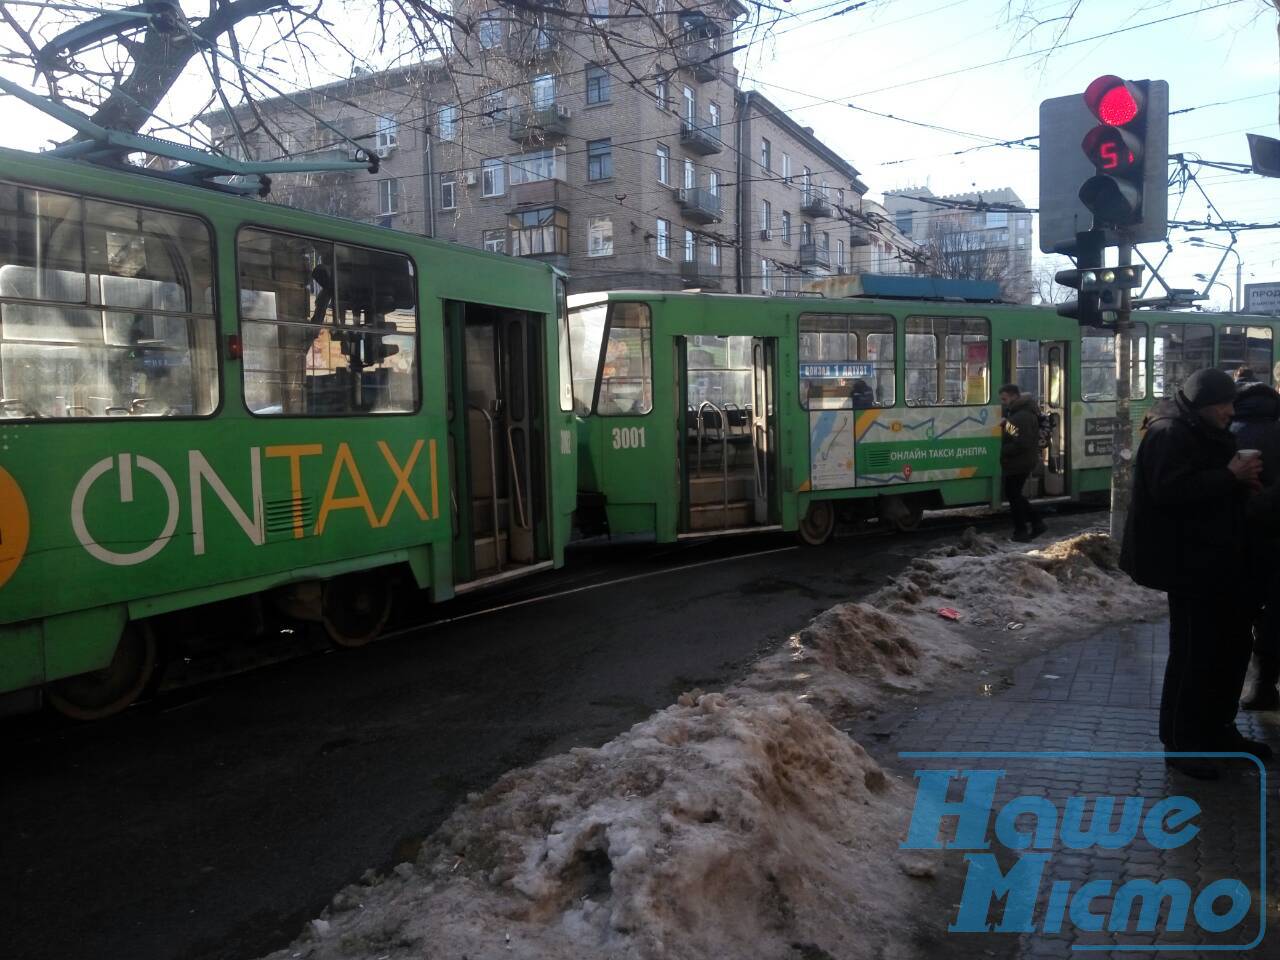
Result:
[1187,535]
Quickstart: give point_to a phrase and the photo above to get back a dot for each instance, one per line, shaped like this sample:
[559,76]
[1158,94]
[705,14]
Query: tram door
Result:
[729,435]
[1055,405]
[496,438]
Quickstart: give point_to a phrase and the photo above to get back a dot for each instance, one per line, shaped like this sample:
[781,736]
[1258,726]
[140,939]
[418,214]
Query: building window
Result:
[713,114]
[690,106]
[997,218]
[806,183]
[541,231]
[840,196]
[660,92]
[766,276]
[664,164]
[600,159]
[493,177]
[840,254]
[690,247]
[690,175]
[902,220]
[600,237]
[664,239]
[448,191]
[786,226]
[713,183]
[597,84]
[826,242]
[766,220]
[542,91]
[490,33]
[388,196]
[493,108]
[714,254]
[495,241]
[447,123]
[537,166]
[786,168]
[387,132]
[806,232]
[356,352]
[766,154]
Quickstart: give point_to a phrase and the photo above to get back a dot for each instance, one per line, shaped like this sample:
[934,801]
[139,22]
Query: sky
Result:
[980,70]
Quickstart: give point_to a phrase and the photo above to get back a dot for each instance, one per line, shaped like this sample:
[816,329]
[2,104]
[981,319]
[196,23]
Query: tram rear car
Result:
[214,404]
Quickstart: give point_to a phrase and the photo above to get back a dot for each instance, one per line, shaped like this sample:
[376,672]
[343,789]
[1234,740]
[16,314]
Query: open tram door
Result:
[727,433]
[497,442]
[1039,368]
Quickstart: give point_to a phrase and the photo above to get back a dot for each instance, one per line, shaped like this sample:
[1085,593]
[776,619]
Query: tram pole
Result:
[1122,442]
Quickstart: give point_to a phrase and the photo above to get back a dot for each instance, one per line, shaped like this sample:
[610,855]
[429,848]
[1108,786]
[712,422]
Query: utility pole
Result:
[1122,444]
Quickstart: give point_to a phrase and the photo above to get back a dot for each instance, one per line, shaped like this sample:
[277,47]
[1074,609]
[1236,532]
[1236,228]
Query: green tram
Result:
[211,408]
[702,414]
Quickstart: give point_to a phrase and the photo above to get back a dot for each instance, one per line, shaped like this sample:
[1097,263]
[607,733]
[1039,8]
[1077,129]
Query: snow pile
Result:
[736,824]
[740,825]
[848,658]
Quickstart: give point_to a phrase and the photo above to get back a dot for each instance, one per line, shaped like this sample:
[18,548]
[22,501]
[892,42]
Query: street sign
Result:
[1066,163]
[1262,298]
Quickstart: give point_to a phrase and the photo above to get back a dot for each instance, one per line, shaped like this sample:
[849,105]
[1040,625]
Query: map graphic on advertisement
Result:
[831,449]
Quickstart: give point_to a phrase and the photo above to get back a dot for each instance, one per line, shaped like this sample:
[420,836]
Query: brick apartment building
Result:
[626,164]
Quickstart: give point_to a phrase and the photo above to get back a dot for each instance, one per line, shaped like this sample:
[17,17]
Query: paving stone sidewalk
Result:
[1101,695]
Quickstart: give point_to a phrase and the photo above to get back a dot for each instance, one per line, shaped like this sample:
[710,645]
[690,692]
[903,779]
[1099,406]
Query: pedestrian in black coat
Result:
[1186,534]
[1256,426]
[1019,456]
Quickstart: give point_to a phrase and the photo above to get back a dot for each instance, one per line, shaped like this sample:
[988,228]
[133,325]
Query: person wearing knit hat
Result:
[1187,534]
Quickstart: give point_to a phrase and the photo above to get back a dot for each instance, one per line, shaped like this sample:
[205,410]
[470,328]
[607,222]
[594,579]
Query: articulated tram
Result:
[211,405]
[707,414]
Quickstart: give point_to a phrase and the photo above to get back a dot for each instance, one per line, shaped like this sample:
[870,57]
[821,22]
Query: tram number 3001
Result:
[628,438]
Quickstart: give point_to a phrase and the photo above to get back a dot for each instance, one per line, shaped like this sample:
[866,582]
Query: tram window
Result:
[626,378]
[1026,366]
[141,339]
[846,361]
[586,334]
[328,329]
[948,361]
[1098,364]
[1240,346]
[1177,351]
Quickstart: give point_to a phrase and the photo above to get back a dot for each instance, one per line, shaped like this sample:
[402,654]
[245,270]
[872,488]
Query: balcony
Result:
[816,205]
[814,256]
[539,192]
[533,44]
[698,54]
[700,138]
[704,276]
[534,124]
[859,237]
[698,205]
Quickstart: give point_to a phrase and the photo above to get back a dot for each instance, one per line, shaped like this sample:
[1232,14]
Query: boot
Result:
[1264,696]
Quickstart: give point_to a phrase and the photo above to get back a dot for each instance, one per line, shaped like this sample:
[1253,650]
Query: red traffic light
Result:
[1113,101]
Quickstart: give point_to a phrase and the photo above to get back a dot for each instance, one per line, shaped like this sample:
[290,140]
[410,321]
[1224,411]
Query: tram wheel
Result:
[355,608]
[101,693]
[818,523]
[908,519]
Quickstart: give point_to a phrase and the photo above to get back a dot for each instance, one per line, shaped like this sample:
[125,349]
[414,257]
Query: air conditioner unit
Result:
[470,178]
[383,152]
[766,235]
[682,195]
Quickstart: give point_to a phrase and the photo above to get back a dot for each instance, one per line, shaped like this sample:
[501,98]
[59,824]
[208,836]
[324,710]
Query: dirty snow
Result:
[734,824]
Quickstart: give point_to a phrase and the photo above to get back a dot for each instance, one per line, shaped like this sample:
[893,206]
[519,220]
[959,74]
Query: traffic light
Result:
[1101,292]
[1117,150]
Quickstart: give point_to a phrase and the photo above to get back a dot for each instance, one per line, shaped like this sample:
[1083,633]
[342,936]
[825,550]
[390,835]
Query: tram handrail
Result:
[724,456]
[493,485]
[515,479]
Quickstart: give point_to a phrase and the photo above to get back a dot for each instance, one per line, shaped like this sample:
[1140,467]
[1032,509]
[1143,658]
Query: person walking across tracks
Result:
[1019,455]
[1186,534]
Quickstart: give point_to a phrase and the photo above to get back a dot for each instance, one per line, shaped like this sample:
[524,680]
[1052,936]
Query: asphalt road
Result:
[214,822]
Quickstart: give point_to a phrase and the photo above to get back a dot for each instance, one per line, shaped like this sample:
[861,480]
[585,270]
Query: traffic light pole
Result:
[1122,442]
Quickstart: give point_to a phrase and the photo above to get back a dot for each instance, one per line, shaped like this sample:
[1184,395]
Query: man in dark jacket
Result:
[1186,534]
[1256,425]
[1019,454]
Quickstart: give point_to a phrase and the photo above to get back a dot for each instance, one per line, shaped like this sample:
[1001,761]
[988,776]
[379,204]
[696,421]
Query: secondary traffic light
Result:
[1101,292]
[1117,150]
